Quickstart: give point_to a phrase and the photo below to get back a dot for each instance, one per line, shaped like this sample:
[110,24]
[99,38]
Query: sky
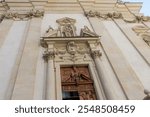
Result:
[145,8]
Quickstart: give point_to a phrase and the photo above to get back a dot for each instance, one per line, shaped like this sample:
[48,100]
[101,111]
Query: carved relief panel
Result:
[64,46]
[76,81]
[144,32]
[67,28]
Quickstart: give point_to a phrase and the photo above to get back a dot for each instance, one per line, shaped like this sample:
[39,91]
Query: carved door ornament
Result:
[72,47]
[146,38]
[77,79]
[66,27]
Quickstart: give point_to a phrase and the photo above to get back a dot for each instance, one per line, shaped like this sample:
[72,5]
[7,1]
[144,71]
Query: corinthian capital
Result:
[48,55]
[96,53]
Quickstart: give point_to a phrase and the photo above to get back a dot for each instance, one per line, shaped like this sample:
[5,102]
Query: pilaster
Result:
[5,26]
[27,69]
[13,45]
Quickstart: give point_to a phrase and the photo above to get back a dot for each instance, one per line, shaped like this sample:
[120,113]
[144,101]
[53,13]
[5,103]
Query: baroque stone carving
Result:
[5,5]
[146,38]
[1,17]
[51,32]
[71,47]
[67,29]
[96,53]
[43,43]
[86,32]
[147,93]
[104,16]
[116,15]
[143,32]
[48,55]
[23,16]
[140,29]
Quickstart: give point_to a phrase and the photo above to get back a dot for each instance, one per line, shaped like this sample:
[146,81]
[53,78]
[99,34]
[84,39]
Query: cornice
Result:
[71,6]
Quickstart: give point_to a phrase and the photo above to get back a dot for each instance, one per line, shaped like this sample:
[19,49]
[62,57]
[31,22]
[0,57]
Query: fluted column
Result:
[50,80]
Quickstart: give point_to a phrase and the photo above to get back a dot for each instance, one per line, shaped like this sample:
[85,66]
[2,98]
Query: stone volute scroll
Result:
[86,32]
[143,32]
[72,47]
[50,32]
[96,54]
[147,93]
[146,38]
[48,55]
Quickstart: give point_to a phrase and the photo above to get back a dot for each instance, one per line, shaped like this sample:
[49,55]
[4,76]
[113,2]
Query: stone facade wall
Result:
[114,42]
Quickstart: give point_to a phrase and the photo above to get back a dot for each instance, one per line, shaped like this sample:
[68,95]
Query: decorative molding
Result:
[86,32]
[104,16]
[72,47]
[143,32]
[96,54]
[48,55]
[67,29]
[43,43]
[69,47]
[140,29]
[5,5]
[2,17]
[147,93]
[116,15]
[23,16]
[146,38]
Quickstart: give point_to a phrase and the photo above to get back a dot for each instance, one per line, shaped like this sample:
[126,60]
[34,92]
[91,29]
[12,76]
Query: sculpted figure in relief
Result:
[146,38]
[67,31]
[71,47]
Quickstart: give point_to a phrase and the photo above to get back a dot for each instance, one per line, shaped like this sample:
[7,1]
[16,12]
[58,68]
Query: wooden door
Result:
[77,83]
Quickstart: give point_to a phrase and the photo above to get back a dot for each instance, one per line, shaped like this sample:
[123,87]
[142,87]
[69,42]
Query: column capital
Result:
[48,55]
[1,17]
[96,54]
[147,93]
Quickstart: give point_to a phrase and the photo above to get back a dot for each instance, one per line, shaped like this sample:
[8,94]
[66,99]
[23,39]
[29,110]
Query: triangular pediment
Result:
[51,32]
[67,28]
[86,32]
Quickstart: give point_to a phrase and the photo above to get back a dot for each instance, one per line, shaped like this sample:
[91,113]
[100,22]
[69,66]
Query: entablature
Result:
[72,6]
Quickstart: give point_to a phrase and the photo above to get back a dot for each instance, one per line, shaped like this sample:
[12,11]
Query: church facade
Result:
[74,50]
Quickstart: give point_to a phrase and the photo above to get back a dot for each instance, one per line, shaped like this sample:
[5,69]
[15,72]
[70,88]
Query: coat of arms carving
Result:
[67,28]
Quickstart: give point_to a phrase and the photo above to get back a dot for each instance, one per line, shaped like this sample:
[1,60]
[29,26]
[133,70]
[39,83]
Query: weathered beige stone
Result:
[31,55]
[12,46]
[5,26]
[24,86]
